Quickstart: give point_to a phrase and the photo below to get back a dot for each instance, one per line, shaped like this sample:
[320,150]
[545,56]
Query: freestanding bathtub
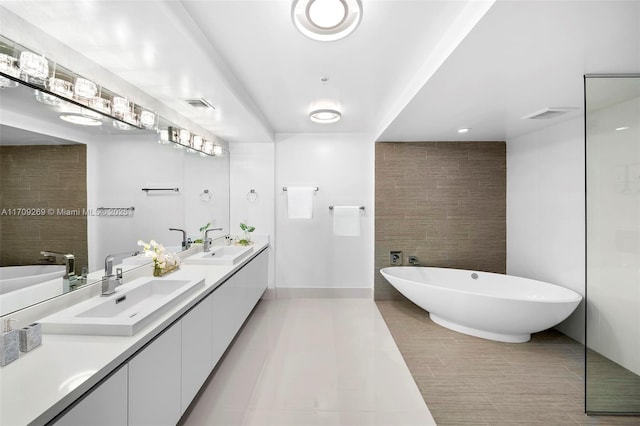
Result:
[483,304]
[17,277]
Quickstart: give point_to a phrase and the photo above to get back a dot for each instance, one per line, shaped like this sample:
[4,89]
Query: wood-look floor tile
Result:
[476,381]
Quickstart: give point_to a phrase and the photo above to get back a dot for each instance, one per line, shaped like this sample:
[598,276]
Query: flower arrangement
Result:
[163,262]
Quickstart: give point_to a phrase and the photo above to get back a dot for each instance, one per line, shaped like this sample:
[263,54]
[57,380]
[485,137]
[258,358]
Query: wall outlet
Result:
[395,257]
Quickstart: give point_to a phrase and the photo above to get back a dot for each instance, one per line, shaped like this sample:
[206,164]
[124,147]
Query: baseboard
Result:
[322,292]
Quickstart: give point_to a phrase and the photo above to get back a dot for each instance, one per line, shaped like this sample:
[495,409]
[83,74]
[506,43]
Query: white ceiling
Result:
[397,68]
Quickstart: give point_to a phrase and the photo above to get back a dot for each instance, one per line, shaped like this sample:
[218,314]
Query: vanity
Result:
[149,377]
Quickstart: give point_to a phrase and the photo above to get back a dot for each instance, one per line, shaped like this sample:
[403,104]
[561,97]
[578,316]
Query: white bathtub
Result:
[482,304]
[17,277]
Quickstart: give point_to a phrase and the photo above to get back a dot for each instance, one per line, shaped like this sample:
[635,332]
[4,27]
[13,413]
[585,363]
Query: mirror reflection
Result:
[76,193]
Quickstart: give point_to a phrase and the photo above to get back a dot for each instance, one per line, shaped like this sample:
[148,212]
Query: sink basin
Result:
[220,255]
[133,306]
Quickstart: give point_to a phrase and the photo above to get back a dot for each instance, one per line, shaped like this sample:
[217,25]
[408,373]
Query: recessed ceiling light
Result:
[623,128]
[325,115]
[81,120]
[464,130]
[326,20]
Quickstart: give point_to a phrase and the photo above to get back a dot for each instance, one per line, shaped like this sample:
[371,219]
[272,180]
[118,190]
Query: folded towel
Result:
[346,221]
[300,202]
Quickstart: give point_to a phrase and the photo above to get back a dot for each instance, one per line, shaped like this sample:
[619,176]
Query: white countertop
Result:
[44,381]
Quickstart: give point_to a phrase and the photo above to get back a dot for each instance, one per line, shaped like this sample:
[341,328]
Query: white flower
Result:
[144,245]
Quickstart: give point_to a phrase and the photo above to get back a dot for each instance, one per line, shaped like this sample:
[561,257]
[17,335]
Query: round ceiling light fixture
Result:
[82,120]
[325,115]
[326,20]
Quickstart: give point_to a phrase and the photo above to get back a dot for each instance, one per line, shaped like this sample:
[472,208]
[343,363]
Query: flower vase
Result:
[159,271]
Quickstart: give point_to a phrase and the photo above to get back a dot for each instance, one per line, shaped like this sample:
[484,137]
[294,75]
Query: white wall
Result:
[308,255]
[253,167]
[545,211]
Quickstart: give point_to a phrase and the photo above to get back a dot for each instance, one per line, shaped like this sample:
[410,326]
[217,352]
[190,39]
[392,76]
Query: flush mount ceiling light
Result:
[47,99]
[464,130]
[81,120]
[326,20]
[325,115]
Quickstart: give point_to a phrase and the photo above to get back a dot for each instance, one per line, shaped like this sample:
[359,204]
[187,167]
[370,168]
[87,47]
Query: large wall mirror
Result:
[75,188]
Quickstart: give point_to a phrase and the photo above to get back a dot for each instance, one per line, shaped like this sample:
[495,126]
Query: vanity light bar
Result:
[52,81]
[193,143]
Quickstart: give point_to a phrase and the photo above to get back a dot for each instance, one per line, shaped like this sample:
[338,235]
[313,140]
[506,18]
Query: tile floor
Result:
[312,362]
[470,381]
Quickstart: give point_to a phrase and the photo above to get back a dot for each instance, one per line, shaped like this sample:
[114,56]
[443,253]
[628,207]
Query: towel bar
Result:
[361,207]
[315,188]
[161,189]
[116,208]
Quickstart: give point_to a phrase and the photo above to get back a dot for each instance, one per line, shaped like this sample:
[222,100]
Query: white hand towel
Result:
[300,202]
[346,221]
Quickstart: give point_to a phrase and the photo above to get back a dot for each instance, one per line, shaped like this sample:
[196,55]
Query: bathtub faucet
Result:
[413,260]
[69,279]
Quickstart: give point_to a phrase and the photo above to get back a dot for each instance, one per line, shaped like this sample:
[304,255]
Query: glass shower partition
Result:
[612,148]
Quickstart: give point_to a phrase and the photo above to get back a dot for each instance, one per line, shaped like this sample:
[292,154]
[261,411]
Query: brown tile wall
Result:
[444,202]
[49,177]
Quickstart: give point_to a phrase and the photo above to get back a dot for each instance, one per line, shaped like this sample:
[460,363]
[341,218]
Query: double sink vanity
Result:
[140,355]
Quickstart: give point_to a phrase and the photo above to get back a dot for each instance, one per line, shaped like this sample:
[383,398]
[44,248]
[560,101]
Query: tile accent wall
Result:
[49,177]
[444,202]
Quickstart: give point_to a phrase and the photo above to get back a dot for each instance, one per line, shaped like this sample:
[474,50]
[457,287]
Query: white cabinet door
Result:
[259,277]
[197,357]
[106,405]
[234,300]
[225,313]
[154,381]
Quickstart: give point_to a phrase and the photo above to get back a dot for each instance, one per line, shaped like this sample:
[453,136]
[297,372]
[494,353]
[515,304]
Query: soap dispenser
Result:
[9,344]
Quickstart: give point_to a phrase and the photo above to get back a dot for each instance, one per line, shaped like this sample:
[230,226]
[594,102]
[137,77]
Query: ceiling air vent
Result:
[549,112]
[200,103]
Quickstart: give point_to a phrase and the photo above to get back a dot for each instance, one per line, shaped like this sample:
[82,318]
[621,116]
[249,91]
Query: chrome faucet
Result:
[110,281]
[207,240]
[413,260]
[185,243]
[69,279]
